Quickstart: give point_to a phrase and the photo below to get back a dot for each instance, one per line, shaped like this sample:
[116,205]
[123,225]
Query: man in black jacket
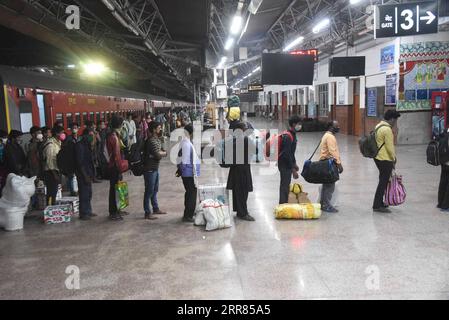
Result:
[85,172]
[240,178]
[287,161]
[14,154]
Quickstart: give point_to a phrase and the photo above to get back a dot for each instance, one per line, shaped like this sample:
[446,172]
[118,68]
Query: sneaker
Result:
[159,212]
[329,210]
[382,210]
[115,217]
[188,219]
[444,210]
[246,218]
[150,216]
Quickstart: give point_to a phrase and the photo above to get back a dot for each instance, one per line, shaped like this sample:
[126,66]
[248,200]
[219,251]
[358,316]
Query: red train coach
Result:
[29,98]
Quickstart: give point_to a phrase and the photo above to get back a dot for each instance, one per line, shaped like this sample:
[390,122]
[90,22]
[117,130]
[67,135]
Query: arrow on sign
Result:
[430,17]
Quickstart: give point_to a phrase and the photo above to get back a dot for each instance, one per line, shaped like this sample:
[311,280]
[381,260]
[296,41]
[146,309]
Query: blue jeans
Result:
[151,189]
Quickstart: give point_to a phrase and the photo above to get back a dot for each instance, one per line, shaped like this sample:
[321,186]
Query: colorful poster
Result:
[390,89]
[371,105]
[387,55]
[423,69]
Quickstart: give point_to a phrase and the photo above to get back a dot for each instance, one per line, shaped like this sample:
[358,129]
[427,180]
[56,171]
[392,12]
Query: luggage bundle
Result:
[214,215]
[304,211]
[297,195]
[320,172]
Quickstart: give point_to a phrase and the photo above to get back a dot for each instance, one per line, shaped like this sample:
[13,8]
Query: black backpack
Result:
[443,149]
[433,154]
[136,158]
[66,159]
[368,145]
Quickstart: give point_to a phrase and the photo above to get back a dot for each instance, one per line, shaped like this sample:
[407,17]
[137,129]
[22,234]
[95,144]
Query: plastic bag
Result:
[298,211]
[395,193]
[217,215]
[121,195]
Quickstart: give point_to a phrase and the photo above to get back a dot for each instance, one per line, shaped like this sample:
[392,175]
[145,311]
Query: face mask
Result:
[40,137]
[75,131]
[103,126]
[62,137]
[298,128]
[90,139]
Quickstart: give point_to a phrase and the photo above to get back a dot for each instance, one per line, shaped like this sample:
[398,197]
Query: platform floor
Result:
[336,257]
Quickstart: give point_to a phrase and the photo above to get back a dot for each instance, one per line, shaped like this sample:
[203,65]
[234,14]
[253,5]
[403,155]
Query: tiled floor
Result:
[336,257]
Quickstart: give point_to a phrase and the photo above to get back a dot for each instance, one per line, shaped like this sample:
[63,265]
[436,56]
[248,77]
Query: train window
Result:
[91,117]
[97,117]
[85,118]
[69,120]
[77,118]
[107,116]
[101,116]
[59,118]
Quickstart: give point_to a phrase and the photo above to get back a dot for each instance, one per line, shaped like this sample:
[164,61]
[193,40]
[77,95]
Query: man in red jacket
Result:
[117,165]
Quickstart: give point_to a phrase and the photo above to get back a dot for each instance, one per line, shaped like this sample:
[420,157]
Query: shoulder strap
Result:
[375,132]
[316,149]
[286,132]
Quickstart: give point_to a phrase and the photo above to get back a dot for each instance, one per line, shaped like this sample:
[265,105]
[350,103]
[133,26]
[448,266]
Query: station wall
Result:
[344,95]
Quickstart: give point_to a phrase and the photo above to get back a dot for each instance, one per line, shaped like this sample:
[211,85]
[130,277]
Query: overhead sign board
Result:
[407,19]
[255,87]
[309,52]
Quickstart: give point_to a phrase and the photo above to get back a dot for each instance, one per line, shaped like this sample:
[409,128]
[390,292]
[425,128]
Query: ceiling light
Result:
[71,66]
[354,1]
[236,25]
[229,44]
[94,68]
[294,43]
[320,26]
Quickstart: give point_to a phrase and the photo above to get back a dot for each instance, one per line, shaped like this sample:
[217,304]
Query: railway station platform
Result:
[353,254]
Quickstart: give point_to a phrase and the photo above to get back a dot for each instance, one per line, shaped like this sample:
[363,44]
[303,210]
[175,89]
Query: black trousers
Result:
[443,190]
[189,197]
[51,182]
[385,170]
[113,180]
[284,188]
[239,202]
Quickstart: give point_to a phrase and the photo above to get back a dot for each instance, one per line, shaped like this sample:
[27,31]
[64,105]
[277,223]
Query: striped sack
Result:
[395,193]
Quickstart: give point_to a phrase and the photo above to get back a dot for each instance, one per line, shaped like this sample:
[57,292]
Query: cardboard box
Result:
[72,201]
[58,214]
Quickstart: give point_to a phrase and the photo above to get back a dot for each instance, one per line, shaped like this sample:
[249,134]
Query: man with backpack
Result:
[287,161]
[386,157]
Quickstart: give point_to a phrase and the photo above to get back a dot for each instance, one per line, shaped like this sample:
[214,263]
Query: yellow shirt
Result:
[385,135]
[329,148]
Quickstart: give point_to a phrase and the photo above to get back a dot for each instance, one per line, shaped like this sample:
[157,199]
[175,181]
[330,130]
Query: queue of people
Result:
[100,152]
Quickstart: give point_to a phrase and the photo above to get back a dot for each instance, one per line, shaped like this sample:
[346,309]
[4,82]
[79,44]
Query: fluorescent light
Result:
[120,19]
[42,70]
[257,69]
[94,68]
[151,47]
[109,5]
[229,43]
[323,24]
[71,66]
[222,62]
[294,43]
[354,1]
[236,25]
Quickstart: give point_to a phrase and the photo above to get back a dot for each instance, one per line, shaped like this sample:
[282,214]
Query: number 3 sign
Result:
[397,20]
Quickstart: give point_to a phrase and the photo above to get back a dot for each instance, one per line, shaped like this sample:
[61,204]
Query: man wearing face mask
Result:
[32,151]
[3,173]
[14,155]
[329,149]
[51,171]
[287,161]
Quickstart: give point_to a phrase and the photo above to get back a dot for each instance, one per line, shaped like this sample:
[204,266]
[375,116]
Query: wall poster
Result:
[371,105]
[423,70]
[387,58]
[390,89]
